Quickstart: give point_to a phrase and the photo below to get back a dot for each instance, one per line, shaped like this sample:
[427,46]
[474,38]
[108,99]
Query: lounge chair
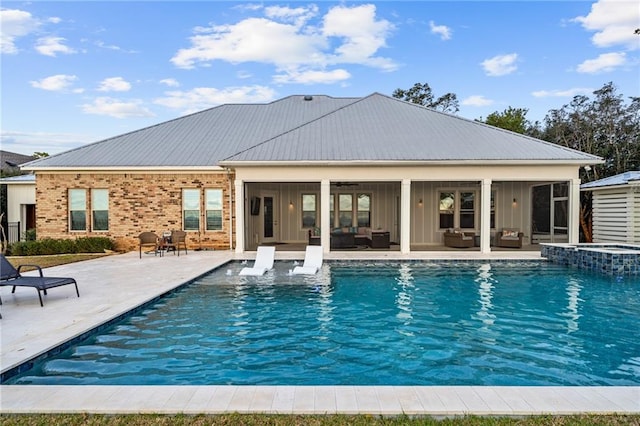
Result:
[150,239]
[177,240]
[11,276]
[312,261]
[263,263]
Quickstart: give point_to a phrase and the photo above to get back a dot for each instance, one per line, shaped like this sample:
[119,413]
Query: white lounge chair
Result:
[312,261]
[263,263]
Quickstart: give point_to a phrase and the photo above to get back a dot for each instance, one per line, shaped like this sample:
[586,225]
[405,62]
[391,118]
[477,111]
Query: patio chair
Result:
[510,238]
[177,240]
[312,261]
[263,263]
[458,239]
[11,276]
[150,239]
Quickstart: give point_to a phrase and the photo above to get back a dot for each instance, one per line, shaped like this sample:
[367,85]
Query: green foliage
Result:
[422,94]
[514,119]
[30,235]
[48,246]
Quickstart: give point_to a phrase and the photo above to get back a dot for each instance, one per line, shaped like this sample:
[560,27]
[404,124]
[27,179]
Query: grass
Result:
[52,260]
[279,420]
[312,420]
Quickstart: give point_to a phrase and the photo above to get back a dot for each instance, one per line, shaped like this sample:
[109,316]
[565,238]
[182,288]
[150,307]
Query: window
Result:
[364,210]
[309,211]
[213,209]
[492,218]
[100,209]
[191,209]
[78,209]
[457,209]
[467,210]
[345,209]
[332,210]
[447,209]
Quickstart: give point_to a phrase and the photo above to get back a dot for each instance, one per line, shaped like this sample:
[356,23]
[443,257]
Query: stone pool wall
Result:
[610,259]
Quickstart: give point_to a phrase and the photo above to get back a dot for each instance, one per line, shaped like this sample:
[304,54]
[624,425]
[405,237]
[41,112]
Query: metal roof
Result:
[617,180]
[24,179]
[317,128]
[200,139]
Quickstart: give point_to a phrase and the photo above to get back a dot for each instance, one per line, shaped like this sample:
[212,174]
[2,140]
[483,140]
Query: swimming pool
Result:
[403,323]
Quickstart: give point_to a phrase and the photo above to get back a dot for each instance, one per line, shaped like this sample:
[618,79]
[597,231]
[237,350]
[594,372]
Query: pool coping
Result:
[25,335]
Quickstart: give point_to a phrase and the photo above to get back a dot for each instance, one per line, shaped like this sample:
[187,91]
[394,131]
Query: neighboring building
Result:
[17,198]
[616,208]
[21,205]
[243,175]
[10,162]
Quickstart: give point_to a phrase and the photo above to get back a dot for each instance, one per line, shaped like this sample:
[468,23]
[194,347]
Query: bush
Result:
[60,246]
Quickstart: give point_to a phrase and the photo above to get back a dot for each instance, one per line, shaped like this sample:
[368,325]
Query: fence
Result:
[13,232]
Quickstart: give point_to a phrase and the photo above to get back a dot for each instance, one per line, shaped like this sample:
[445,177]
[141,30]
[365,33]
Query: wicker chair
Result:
[459,239]
[509,238]
[150,239]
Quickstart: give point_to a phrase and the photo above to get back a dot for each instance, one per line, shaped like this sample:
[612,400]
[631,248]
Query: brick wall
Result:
[137,202]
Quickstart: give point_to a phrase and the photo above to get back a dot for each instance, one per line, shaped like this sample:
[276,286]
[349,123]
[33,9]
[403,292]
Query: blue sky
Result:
[75,72]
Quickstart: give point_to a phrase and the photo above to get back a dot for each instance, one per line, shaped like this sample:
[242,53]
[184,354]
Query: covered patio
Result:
[412,213]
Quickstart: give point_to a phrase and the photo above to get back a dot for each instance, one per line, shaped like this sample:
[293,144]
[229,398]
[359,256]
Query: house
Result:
[17,195]
[240,175]
[615,208]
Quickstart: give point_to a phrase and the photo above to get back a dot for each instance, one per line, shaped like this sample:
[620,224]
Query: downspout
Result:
[230,209]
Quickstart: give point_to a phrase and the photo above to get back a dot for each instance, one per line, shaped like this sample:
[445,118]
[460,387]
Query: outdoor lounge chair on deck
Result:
[11,276]
[263,263]
[312,261]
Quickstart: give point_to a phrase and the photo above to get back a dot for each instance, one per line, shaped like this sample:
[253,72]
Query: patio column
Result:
[239,184]
[573,221]
[405,216]
[325,219]
[485,216]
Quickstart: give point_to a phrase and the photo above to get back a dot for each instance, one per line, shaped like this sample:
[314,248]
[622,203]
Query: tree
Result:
[604,126]
[422,94]
[513,119]
[40,154]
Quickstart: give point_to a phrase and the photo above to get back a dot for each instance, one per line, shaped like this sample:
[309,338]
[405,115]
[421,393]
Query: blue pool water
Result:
[413,323]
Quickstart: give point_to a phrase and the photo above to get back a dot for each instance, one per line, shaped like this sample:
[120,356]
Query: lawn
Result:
[291,420]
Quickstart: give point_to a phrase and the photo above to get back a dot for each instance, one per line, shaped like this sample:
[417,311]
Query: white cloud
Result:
[52,143]
[500,65]
[313,77]
[201,98]
[171,82]
[286,39]
[55,83]
[114,84]
[361,33]
[442,30]
[117,108]
[567,93]
[604,63]
[614,23]
[13,24]
[50,46]
[476,100]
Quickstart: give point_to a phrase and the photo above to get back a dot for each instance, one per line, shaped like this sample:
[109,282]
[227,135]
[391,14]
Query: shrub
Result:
[60,246]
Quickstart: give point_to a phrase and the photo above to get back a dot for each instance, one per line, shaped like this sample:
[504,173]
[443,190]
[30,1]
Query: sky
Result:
[76,72]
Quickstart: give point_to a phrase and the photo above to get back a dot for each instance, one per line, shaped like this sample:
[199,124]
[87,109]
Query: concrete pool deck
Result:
[113,285]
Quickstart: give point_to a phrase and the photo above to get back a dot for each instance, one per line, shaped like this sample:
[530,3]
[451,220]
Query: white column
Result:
[325,219]
[573,221]
[485,216]
[240,225]
[405,216]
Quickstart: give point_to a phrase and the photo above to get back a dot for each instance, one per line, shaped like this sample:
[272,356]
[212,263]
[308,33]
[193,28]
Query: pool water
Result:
[354,323]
